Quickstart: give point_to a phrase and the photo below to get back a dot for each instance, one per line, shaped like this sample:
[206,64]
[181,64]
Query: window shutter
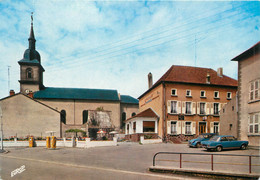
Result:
[211,108]
[178,107]
[168,127]
[193,129]
[207,107]
[183,107]
[211,127]
[193,108]
[183,127]
[248,125]
[169,107]
[198,108]
[178,125]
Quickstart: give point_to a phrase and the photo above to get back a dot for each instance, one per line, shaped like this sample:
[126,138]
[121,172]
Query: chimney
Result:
[220,72]
[208,78]
[30,94]
[12,92]
[150,80]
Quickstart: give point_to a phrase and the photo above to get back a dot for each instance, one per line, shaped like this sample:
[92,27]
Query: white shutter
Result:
[178,107]
[211,108]
[178,127]
[248,125]
[193,108]
[207,107]
[183,127]
[193,128]
[211,127]
[169,107]
[183,109]
[198,108]
[168,127]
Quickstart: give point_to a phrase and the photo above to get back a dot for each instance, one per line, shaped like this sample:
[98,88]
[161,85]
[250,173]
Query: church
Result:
[38,110]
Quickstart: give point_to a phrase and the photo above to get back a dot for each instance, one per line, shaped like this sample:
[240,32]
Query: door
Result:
[202,127]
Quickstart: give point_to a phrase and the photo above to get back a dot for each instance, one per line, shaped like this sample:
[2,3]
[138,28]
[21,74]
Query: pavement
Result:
[126,161]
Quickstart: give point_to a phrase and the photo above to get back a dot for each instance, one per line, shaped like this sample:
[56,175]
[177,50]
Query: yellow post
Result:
[53,142]
[48,144]
[31,141]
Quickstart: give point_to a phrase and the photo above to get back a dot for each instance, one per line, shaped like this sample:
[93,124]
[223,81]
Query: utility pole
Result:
[9,78]
[2,134]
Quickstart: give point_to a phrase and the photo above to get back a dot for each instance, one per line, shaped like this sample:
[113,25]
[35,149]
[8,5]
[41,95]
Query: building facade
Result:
[188,100]
[249,95]
[74,108]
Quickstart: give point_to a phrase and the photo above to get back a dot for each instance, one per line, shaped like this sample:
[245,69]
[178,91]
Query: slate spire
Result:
[32,38]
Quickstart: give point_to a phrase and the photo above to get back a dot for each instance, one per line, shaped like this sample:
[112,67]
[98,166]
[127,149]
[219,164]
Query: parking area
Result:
[126,161]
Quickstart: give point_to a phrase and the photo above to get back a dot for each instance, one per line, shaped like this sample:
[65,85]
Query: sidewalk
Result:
[204,173]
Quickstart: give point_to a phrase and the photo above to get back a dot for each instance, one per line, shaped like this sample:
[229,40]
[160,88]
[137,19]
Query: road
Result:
[126,161]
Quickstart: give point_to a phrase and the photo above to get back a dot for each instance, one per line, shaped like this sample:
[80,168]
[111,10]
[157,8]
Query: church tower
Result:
[31,70]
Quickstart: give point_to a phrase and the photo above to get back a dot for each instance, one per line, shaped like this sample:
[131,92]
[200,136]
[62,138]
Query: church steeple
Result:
[32,38]
[31,70]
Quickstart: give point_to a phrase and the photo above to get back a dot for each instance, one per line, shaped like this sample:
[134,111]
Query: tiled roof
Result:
[146,113]
[255,49]
[77,93]
[193,75]
[128,99]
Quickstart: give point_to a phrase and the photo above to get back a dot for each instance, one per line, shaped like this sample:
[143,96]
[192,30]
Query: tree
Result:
[76,131]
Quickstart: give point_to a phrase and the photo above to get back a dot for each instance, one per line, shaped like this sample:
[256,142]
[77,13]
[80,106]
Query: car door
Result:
[224,142]
[232,143]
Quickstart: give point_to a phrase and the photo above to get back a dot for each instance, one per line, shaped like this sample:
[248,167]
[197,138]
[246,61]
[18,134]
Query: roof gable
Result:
[77,93]
[255,49]
[148,113]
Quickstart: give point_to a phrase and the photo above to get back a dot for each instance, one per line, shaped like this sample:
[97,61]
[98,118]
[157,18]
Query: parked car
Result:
[219,143]
[203,137]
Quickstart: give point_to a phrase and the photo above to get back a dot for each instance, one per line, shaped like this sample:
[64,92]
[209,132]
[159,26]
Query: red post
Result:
[180,160]
[212,162]
[249,164]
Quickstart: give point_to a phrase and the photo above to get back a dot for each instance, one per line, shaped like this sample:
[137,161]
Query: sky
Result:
[115,44]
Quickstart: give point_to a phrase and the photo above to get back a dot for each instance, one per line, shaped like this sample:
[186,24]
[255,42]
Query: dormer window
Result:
[174,92]
[188,93]
[29,73]
[202,94]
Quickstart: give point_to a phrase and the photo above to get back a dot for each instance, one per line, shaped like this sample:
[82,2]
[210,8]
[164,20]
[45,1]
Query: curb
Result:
[210,174]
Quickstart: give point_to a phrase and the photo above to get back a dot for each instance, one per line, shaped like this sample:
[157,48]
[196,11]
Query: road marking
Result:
[93,167]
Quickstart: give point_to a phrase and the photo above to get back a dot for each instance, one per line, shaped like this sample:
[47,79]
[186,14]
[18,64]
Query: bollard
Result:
[48,142]
[53,142]
[31,142]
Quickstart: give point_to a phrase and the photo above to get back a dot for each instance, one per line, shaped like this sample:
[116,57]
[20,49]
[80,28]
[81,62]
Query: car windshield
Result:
[214,138]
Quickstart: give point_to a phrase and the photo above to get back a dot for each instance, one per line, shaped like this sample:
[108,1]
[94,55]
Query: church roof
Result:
[77,93]
[128,99]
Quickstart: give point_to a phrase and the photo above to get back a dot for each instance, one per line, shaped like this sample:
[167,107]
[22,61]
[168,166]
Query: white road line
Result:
[93,167]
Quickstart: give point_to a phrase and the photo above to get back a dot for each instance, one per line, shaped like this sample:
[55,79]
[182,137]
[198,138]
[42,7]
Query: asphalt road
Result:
[126,161]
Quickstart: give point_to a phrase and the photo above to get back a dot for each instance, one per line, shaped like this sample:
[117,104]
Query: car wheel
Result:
[208,149]
[198,145]
[243,147]
[219,148]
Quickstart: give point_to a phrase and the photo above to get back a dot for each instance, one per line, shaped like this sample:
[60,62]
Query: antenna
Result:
[9,78]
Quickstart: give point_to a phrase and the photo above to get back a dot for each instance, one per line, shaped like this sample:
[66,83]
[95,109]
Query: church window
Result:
[85,116]
[63,116]
[123,120]
[29,73]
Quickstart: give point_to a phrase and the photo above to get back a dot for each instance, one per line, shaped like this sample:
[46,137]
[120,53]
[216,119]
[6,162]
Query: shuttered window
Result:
[148,126]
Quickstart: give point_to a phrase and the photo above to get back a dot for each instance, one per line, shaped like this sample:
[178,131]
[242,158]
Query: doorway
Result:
[202,127]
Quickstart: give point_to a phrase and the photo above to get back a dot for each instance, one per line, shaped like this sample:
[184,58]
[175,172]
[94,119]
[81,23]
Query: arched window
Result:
[29,73]
[133,114]
[123,120]
[63,116]
[85,116]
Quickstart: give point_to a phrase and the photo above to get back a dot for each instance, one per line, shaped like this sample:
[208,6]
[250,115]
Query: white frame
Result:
[175,92]
[188,90]
[204,93]
[230,95]
[217,95]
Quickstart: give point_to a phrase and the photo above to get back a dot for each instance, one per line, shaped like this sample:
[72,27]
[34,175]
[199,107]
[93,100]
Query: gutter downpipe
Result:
[164,116]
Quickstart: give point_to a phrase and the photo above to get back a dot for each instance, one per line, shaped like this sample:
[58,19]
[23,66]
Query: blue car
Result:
[219,143]
[203,137]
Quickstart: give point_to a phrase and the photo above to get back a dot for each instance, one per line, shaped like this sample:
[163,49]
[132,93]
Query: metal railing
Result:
[211,158]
